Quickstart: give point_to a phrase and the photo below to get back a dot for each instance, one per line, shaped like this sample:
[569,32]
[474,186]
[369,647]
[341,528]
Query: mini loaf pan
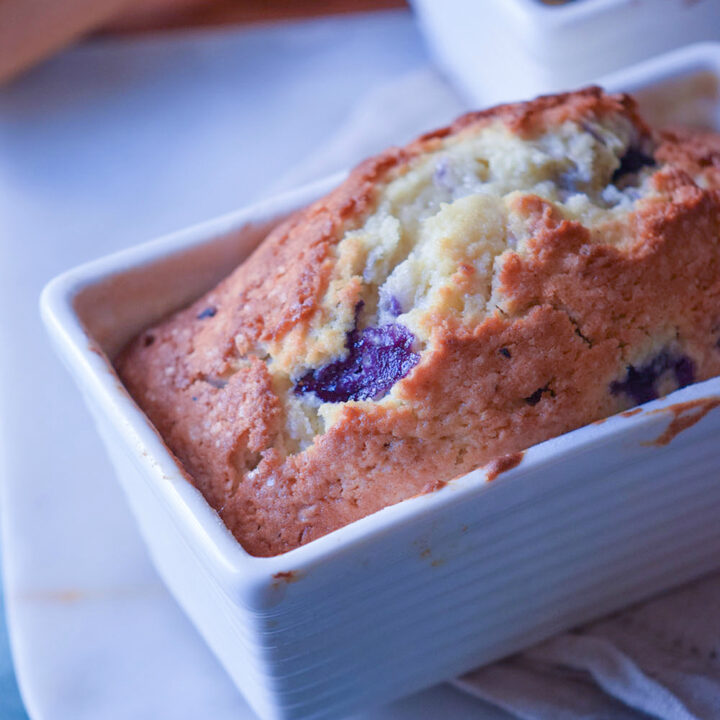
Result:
[501,50]
[427,589]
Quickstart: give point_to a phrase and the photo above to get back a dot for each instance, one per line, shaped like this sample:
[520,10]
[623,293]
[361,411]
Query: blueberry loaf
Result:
[525,271]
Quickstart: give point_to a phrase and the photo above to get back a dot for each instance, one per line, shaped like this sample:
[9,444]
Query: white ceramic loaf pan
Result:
[436,585]
[499,50]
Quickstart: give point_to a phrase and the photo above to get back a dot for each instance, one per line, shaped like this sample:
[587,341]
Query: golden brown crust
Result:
[531,118]
[573,312]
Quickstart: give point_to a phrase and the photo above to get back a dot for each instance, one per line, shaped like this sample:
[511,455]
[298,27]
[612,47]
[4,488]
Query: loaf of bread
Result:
[523,272]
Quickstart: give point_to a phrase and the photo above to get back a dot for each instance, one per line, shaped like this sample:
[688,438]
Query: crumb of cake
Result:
[503,464]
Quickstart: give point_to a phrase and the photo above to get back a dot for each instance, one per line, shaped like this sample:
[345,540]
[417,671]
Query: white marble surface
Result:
[108,145]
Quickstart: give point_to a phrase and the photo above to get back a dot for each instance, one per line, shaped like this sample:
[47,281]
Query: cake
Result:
[523,272]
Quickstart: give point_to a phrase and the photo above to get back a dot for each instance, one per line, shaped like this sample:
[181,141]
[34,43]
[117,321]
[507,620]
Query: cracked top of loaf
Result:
[525,271]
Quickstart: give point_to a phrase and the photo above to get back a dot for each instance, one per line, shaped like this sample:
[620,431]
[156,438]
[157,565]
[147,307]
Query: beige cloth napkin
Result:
[660,659]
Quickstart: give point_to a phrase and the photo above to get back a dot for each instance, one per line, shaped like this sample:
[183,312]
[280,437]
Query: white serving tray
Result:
[431,587]
[500,50]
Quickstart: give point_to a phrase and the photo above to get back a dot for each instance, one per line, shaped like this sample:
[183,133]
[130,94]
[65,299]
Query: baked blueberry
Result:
[641,383]
[632,162]
[377,358]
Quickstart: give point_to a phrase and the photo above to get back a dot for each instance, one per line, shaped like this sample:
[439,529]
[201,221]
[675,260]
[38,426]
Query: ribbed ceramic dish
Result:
[436,585]
[500,50]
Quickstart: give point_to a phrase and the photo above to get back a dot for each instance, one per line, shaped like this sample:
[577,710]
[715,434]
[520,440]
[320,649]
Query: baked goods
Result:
[528,270]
